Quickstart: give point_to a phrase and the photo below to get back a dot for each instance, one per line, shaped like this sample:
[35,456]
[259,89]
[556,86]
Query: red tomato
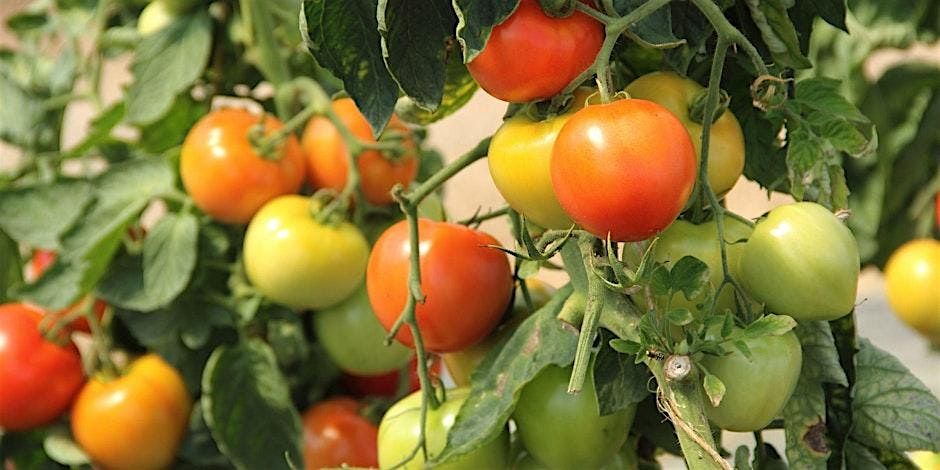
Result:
[38,379]
[386,385]
[223,173]
[336,434]
[41,261]
[532,56]
[625,168]
[467,286]
[327,155]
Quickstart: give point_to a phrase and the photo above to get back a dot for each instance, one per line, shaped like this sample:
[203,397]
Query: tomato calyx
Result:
[558,8]
[699,103]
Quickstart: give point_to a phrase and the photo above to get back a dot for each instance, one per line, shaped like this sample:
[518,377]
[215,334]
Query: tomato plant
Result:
[802,261]
[38,264]
[297,261]
[226,176]
[532,56]
[398,434]
[387,384]
[133,421]
[459,262]
[39,378]
[678,94]
[327,155]
[335,434]
[614,178]
[911,277]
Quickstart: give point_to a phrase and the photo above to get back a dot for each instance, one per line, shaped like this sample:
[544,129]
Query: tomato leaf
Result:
[539,341]
[891,407]
[38,215]
[459,87]
[170,130]
[198,448]
[165,64]
[476,19]
[805,413]
[680,316]
[11,272]
[769,325]
[169,257]
[343,37]
[653,31]
[714,389]
[246,396]
[100,130]
[778,32]
[620,383]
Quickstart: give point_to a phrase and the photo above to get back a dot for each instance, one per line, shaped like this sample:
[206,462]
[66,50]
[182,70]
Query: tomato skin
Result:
[398,434]
[336,434]
[756,389]
[726,144]
[294,260]
[39,263]
[625,169]
[683,238]
[38,379]
[911,279]
[565,431]
[225,176]
[136,421]
[801,261]
[457,269]
[154,17]
[355,340]
[327,155]
[386,385]
[532,56]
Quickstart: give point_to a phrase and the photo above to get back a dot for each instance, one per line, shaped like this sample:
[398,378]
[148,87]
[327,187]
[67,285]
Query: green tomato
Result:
[154,17]
[398,435]
[564,431]
[801,261]
[756,388]
[626,459]
[355,340]
[296,261]
[684,238]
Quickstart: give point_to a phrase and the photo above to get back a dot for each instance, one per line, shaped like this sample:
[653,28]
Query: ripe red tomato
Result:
[467,286]
[386,385]
[327,155]
[624,168]
[532,56]
[40,262]
[38,378]
[223,173]
[336,434]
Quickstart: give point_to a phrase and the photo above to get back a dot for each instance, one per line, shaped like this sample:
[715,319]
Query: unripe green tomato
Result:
[726,144]
[684,238]
[154,17]
[756,389]
[564,431]
[801,261]
[355,340]
[296,261]
[398,435]
[626,459]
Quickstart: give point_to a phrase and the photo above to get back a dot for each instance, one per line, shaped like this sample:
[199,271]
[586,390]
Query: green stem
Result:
[592,312]
[726,30]
[259,25]
[478,218]
[416,195]
[100,339]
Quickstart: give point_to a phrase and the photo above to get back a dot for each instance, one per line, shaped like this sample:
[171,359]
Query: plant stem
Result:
[592,312]
[727,31]
[416,195]
[478,218]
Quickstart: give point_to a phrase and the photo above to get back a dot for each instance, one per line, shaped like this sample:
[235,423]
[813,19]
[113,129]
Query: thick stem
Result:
[683,402]
[592,312]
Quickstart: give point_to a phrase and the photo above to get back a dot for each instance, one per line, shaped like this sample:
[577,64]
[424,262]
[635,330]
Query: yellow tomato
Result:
[912,280]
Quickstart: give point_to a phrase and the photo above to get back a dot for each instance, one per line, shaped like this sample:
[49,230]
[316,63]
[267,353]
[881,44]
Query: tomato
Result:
[565,431]
[223,173]
[327,155]
[40,262]
[684,238]
[626,459]
[625,169]
[355,340]
[532,56]
[801,261]
[136,421]
[336,434]
[936,205]
[461,364]
[726,144]
[154,17]
[386,385]
[398,435]
[467,286]
[756,389]
[294,260]
[925,460]
[912,282]
[38,378]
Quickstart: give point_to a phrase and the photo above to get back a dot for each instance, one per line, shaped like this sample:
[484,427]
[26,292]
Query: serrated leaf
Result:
[891,407]
[169,256]
[243,389]
[653,31]
[343,37]
[659,280]
[778,32]
[714,389]
[769,325]
[38,215]
[165,64]
[858,456]
[690,276]
[619,382]
[476,19]
[539,341]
